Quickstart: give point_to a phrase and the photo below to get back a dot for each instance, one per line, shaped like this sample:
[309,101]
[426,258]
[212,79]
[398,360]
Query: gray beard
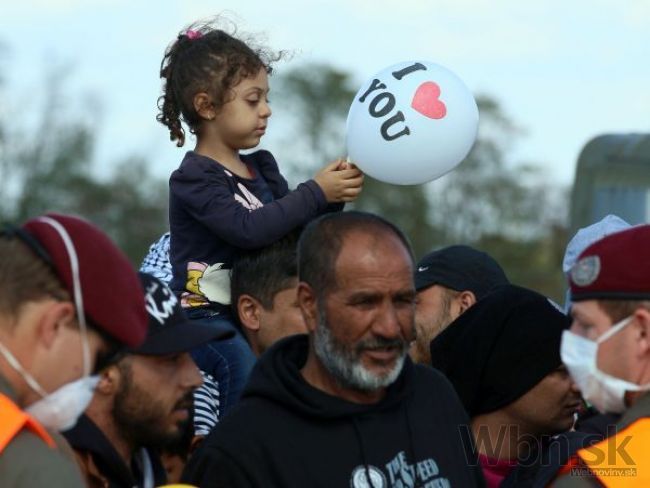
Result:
[344,362]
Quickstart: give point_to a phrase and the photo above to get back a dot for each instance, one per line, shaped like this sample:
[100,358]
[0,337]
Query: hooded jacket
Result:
[286,433]
[101,464]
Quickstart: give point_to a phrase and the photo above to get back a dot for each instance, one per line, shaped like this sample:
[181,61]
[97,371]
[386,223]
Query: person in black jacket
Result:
[143,399]
[503,358]
[344,406]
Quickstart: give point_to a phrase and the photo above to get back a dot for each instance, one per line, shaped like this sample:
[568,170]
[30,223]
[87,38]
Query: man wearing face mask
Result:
[607,352]
[68,299]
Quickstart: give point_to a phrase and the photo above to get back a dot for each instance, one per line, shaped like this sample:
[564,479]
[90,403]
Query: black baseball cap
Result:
[460,268]
[170,331]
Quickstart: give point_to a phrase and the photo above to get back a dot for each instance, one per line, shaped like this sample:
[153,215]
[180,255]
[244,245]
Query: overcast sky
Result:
[565,71]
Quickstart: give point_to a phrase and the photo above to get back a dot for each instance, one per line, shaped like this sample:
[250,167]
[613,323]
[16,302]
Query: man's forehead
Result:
[370,247]
[432,292]
[434,288]
[369,274]
[585,310]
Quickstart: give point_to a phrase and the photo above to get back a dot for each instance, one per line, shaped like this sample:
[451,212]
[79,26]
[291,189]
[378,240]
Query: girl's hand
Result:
[340,181]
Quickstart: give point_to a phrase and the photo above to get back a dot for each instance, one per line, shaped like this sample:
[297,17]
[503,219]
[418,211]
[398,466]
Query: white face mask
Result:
[604,391]
[60,409]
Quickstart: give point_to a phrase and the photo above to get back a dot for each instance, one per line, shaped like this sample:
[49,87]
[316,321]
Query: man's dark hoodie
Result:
[286,433]
[101,464]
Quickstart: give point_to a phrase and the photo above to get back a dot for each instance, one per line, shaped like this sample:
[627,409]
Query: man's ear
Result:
[308,305]
[109,380]
[248,310]
[52,317]
[465,300]
[642,316]
[203,106]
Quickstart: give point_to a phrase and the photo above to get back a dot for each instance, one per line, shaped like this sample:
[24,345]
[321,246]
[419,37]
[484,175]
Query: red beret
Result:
[615,267]
[113,298]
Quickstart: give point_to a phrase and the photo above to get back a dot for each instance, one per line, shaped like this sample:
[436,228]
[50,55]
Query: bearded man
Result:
[344,405]
[143,400]
[449,281]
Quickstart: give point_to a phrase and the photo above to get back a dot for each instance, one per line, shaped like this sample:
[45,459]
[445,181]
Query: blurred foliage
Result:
[48,168]
[508,210]
[489,202]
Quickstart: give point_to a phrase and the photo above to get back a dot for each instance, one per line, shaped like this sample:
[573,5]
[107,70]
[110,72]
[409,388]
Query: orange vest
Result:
[622,460]
[13,420]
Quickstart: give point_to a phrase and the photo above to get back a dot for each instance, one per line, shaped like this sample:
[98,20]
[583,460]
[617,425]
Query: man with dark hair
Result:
[143,401]
[263,289]
[448,282]
[263,293]
[344,405]
[68,299]
[607,352]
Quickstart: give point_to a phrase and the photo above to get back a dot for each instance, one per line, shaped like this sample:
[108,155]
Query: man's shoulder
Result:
[434,389]
[242,439]
[250,420]
[639,410]
[28,461]
[428,376]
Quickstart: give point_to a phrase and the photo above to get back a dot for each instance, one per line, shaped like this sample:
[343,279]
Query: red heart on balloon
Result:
[427,101]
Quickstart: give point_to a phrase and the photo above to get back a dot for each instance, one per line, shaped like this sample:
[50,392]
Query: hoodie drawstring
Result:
[409,431]
[364,460]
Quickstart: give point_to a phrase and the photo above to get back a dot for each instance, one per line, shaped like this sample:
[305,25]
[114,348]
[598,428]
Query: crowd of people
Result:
[272,339]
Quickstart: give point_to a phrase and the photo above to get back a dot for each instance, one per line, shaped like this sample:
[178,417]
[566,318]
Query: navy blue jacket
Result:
[214,214]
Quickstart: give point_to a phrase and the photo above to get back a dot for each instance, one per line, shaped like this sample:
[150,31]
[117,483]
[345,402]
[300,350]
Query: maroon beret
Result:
[615,267]
[113,298]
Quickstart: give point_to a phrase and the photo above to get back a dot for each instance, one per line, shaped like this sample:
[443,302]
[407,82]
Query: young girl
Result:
[221,201]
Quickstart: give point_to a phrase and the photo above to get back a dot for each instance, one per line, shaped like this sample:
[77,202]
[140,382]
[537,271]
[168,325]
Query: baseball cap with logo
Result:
[170,331]
[460,268]
[616,267]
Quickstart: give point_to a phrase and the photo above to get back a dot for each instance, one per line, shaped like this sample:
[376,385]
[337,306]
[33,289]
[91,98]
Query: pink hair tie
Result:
[192,34]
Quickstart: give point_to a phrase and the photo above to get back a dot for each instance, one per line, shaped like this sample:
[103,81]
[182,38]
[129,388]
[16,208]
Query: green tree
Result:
[49,167]
[505,208]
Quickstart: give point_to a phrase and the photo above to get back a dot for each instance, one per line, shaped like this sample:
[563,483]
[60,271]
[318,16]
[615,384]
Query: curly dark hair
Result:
[204,59]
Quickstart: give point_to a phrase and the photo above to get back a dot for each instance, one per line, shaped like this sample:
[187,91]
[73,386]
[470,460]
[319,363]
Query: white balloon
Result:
[411,123]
